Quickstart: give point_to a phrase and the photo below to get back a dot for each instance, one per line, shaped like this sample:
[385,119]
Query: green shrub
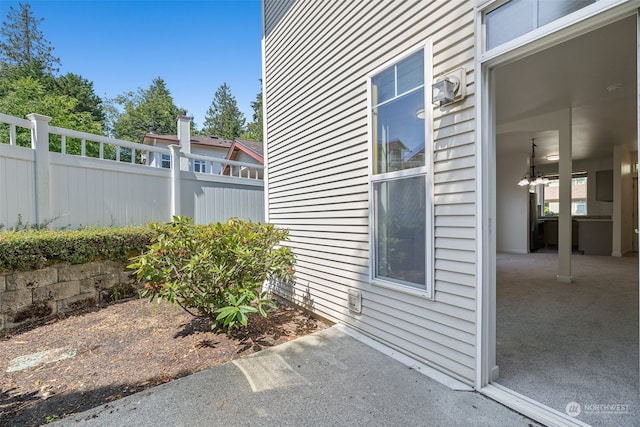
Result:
[31,249]
[215,270]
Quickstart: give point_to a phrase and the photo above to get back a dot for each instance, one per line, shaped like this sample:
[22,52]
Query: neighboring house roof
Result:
[203,140]
[254,149]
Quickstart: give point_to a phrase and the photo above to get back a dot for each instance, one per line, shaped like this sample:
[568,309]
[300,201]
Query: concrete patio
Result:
[327,378]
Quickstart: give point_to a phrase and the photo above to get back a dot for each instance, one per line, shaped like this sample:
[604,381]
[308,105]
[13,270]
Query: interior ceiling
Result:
[573,74]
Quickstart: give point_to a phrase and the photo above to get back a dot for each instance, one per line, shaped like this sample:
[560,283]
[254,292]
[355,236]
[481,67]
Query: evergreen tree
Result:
[23,45]
[147,110]
[30,95]
[223,118]
[81,89]
[254,129]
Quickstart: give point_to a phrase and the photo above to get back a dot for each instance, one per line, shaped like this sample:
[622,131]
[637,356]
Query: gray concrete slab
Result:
[328,378]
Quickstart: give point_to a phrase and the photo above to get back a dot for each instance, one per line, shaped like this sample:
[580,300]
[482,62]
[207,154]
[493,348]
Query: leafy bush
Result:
[30,249]
[215,270]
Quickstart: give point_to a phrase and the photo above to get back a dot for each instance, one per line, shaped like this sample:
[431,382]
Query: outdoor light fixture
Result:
[532,178]
[449,88]
[444,90]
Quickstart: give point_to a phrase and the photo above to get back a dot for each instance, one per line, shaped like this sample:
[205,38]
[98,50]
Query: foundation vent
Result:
[355,300]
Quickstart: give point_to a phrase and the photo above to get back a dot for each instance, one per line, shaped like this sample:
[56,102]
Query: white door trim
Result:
[637,225]
[485,175]
[486,369]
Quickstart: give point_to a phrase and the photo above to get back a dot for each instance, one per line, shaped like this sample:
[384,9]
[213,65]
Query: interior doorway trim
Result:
[486,368]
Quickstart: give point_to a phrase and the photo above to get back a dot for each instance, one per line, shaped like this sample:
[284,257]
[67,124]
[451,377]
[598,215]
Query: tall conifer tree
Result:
[223,118]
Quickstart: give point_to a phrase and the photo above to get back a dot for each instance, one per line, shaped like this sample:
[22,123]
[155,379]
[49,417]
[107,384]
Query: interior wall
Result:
[622,208]
[511,205]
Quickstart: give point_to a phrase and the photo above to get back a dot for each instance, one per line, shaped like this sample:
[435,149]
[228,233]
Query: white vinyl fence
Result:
[108,183]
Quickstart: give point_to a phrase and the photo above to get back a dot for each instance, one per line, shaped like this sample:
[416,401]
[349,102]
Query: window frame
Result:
[425,171]
[165,158]
[485,6]
[574,175]
[199,166]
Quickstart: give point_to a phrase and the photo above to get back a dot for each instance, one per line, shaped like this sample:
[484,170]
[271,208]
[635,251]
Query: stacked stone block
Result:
[25,295]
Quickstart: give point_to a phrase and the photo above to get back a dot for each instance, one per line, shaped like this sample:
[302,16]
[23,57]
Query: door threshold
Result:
[529,407]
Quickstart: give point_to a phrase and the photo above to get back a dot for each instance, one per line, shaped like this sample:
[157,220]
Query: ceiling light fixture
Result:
[553,157]
[532,178]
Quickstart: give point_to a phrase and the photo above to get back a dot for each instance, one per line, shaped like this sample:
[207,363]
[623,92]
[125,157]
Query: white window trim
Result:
[202,166]
[559,24]
[427,171]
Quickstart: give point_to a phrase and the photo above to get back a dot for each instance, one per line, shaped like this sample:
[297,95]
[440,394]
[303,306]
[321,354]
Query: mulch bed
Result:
[122,349]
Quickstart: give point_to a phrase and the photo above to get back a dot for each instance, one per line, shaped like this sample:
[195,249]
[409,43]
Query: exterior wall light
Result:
[450,87]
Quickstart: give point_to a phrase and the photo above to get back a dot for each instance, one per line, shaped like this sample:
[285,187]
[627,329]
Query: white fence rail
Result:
[96,180]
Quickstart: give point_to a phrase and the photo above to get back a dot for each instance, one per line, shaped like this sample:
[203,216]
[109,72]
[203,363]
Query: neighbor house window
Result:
[517,17]
[400,183]
[166,161]
[199,166]
[551,195]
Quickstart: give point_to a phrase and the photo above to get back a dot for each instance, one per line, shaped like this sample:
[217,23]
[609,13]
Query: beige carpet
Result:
[559,343]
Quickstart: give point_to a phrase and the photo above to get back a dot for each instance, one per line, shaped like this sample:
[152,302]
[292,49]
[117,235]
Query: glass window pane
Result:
[399,133]
[400,241]
[550,10]
[509,21]
[518,17]
[551,196]
[411,72]
[166,161]
[384,86]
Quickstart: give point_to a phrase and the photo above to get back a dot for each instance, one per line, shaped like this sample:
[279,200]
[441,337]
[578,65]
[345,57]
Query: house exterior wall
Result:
[317,57]
[202,150]
[220,153]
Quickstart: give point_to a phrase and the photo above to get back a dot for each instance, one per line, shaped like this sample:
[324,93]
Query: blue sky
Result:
[194,46]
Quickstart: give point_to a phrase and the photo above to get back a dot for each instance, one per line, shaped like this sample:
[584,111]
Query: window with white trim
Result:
[551,195]
[199,166]
[165,161]
[400,183]
[514,18]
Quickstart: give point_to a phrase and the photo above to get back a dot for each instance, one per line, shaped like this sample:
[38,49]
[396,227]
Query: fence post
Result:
[175,180]
[40,145]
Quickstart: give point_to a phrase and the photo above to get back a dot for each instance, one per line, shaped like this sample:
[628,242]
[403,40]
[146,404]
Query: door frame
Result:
[595,16]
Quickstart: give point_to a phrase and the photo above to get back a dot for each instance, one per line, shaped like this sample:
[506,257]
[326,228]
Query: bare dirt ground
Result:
[118,350]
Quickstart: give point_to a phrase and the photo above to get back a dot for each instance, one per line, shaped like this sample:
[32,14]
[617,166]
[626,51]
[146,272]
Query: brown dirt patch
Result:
[122,349]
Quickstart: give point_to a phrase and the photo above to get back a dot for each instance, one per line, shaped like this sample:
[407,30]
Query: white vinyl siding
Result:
[318,168]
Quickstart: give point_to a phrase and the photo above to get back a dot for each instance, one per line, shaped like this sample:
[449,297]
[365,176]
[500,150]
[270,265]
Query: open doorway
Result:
[565,343]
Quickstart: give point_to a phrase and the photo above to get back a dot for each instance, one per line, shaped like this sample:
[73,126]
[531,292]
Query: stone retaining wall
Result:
[28,295]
